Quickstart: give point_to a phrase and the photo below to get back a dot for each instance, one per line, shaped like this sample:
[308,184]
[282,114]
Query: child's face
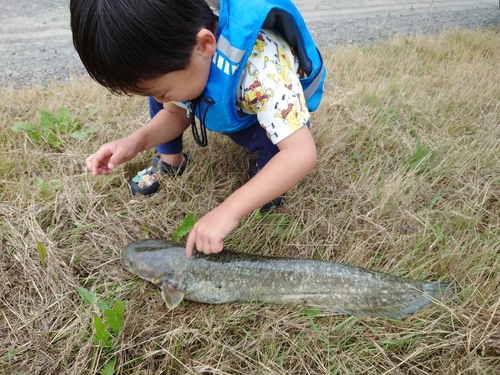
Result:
[186,84]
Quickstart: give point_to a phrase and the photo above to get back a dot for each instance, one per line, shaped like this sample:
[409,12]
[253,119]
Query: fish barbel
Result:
[239,277]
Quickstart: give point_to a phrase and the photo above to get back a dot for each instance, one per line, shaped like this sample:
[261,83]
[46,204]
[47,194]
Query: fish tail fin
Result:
[432,291]
[440,289]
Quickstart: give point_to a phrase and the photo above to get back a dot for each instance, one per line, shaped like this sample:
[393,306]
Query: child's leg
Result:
[255,139]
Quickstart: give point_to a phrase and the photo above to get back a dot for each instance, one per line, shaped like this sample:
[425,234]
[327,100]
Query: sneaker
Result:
[147,181]
[276,202]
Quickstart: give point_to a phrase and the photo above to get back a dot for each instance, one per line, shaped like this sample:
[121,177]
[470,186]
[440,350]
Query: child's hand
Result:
[110,155]
[208,232]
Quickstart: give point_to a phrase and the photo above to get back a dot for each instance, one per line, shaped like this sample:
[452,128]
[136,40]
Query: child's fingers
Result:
[99,162]
[92,165]
[88,162]
[118,157]
[190,244]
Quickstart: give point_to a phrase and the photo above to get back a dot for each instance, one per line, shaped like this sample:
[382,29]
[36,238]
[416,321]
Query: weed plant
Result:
[407,182]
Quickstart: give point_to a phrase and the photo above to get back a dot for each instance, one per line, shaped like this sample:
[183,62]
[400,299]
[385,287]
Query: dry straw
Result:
[407,182]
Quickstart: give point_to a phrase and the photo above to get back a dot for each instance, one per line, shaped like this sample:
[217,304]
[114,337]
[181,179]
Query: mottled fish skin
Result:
[240,277]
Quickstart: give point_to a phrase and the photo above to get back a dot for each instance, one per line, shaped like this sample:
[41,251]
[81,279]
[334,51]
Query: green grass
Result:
[407,182]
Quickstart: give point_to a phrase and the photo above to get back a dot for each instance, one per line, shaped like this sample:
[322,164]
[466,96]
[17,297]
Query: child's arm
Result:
[296,158]
[167,125]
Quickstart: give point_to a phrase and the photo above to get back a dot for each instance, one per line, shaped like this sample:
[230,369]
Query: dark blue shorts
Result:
[253,138]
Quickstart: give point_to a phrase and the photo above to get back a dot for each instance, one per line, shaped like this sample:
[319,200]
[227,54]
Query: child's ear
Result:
[206,43]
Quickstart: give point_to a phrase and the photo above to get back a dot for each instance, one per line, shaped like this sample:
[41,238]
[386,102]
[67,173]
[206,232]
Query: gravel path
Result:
[36,45]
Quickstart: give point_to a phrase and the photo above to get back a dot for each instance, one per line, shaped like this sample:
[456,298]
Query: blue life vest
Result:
[238,29]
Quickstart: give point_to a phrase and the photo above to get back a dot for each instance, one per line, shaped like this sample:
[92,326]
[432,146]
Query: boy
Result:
[250,71]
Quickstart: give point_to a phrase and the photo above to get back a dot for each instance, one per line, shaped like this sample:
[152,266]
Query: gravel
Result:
[36,45]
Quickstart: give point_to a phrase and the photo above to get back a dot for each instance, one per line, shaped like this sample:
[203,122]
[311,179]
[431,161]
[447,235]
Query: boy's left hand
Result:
[208,232]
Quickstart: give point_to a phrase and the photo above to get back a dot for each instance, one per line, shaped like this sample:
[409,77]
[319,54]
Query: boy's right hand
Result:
[112,154]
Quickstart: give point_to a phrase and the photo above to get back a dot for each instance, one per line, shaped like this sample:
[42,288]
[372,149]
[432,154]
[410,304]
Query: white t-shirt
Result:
[270,87]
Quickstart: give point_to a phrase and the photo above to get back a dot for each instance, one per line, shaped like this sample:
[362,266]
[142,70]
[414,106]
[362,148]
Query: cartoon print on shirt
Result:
[291,115]
[251,69]
[283,75]
[281,63]
[282,57]
[259,46]
[268,130]
[270,87]
[256,97]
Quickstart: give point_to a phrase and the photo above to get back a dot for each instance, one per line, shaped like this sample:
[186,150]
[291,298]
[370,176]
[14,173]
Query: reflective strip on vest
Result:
[227,58]
[314,84]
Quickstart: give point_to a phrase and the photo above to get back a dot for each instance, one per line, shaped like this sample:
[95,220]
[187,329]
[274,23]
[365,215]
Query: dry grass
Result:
[407,182]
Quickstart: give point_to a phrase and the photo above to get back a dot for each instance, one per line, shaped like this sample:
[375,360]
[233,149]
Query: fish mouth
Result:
[125,262]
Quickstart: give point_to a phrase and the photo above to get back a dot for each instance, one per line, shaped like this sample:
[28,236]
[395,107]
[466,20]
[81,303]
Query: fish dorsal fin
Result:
[170,294]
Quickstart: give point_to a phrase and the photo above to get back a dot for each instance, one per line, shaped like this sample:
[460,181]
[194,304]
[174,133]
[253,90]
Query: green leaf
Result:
[184,228]
[52,138]
[47,120]
[25,127]
[73,125]
[42,253]
[102,305]
[44,187]
[29,129]
[89,298]
[63,114]
[40,182]
[109,368]
[79,135]
[114,316]
[64,121]
[102,335]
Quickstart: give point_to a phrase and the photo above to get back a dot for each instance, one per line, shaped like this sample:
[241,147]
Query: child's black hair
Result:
[125,42]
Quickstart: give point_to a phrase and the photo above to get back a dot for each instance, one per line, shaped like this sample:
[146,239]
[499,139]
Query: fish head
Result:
[152,260]
[160,262]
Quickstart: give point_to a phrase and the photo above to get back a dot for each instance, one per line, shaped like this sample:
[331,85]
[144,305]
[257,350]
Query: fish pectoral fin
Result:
[170,294]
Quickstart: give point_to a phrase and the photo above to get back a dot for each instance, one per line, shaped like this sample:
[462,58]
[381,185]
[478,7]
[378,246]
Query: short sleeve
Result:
[270,88]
